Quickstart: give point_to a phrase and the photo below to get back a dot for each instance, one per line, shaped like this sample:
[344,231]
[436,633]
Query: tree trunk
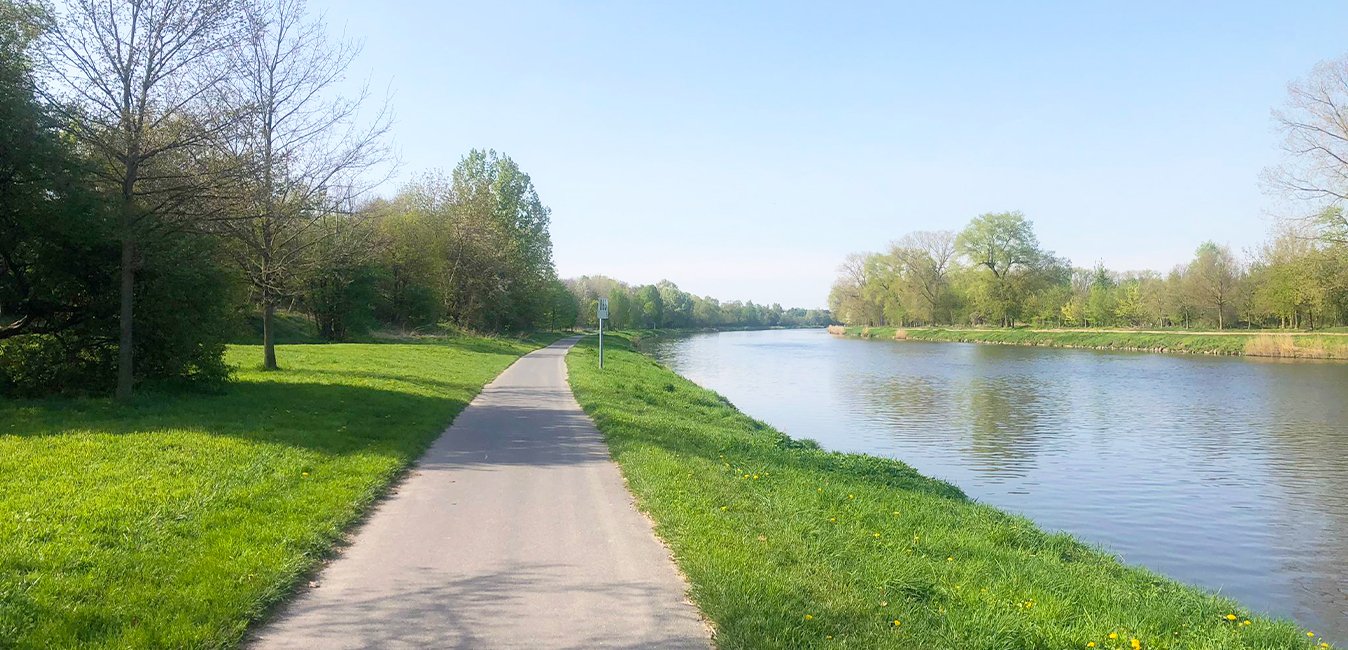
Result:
[125,375]
[268,334]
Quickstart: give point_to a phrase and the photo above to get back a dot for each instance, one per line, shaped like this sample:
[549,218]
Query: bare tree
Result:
[134,79]
[926,258]
[1213,276]
[1314,124]
[305,148]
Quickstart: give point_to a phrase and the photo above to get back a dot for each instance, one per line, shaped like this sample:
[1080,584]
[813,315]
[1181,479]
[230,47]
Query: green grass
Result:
[177,520]
[1233,342]
[786,545]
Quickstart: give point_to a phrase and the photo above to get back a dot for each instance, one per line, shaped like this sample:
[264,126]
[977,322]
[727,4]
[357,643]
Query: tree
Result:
[1003,243]
[848,300]
[649,306]
[497,213]
[1314,124]
[619,307]
[1212,277]
[135,80]
[338,285]
[563,308]
[491,263]
[300,145]
[925,258]
[676,305]
[1100,303]
[52,229]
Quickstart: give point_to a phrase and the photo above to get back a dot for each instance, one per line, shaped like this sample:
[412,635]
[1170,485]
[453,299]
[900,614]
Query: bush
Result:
[183,315]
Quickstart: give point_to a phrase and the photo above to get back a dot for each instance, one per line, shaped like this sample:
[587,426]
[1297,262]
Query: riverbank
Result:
[1227,343]
[179,519]
[786,545]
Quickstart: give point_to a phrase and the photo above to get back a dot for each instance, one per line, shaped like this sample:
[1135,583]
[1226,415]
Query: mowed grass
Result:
[789,546]
[177,520]
[1232,343]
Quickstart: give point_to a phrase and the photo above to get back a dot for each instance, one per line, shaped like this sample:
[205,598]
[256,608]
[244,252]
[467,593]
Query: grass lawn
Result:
[789,546]
[177,520]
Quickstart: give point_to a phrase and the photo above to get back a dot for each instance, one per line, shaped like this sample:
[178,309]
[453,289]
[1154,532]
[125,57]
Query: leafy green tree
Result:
[1129,308]
[407,263]
[52,229]
[489,264]
[1005,245]
[1100,303]
[562,309]
[339,287]
[676,305]
[649,305]
[619,307]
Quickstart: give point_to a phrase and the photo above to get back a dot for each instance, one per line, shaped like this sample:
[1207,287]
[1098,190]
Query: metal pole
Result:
[601,344]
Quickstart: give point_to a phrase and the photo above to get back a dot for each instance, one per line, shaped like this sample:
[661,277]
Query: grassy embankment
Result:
[786,545]
[1234,343]
[178,519]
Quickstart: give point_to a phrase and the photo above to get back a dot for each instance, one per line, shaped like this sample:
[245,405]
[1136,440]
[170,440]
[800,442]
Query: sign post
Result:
[603,314]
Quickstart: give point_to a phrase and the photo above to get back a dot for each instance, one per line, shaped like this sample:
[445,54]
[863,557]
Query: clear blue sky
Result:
[742,149]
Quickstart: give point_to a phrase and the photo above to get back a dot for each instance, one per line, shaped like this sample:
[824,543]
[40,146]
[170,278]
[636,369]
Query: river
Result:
[1227,473]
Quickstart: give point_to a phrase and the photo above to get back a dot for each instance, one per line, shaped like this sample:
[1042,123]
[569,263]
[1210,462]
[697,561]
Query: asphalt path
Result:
[514,530]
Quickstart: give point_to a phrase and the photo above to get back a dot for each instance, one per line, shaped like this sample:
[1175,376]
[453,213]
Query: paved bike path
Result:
[514,530]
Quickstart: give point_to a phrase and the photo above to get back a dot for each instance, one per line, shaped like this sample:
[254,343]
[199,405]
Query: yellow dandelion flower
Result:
[1310,634]
[950,559]
[1113,635]
[1090,644]
[1245,622]
[1230,617]
[755,477]
[1137,645]
[897,622]
[809,617]
[851,496]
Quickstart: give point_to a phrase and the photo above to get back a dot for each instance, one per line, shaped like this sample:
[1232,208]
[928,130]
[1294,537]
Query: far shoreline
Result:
[1264,344]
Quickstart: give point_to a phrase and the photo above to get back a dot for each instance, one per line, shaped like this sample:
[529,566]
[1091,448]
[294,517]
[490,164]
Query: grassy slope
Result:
[1228,343]
[291,327]
[789,546]
[176,521]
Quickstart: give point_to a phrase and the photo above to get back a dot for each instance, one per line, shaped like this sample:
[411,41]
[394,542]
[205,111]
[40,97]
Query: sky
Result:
[742,149]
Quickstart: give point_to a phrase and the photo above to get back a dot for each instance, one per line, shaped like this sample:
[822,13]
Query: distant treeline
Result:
[665,305]
[994,272]
[169,169]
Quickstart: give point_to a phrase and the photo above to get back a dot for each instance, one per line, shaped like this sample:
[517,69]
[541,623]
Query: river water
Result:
[1227,473]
